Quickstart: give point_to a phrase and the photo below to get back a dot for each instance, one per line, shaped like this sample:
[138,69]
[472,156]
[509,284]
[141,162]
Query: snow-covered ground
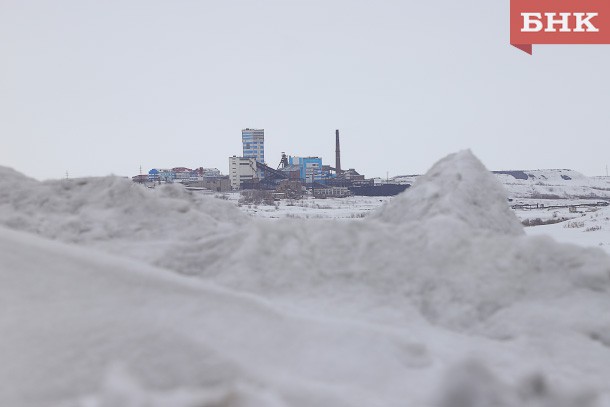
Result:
[588,227]
[115,295]
[353,207]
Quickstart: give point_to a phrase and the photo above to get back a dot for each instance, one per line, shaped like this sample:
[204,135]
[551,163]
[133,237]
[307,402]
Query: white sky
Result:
[100,87]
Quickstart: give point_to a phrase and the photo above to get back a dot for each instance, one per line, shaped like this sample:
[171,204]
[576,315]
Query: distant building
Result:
[211,172]
[200,173]
[332,192]
[241,169]
[310,169]
[143,178]
[253,141]
[153,175]
[161,175]
[167,175]
[216,184]
[181,174]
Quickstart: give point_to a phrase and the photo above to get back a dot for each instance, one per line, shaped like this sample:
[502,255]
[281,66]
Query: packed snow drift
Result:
[116,295]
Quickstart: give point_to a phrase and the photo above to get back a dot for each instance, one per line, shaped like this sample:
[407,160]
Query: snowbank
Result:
[113,213]
[364,313]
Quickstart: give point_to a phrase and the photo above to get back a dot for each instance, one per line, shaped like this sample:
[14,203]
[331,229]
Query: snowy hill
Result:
[554,184]
[544,184]
[437,299]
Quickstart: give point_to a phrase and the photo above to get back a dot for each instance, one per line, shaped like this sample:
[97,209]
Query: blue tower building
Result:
[253,141]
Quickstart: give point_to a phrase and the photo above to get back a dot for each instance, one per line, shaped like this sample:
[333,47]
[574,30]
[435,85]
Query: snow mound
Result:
[94,210]
[369,313]
[460,188]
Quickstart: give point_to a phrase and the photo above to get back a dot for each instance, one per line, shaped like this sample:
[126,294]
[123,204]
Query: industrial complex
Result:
[294,176]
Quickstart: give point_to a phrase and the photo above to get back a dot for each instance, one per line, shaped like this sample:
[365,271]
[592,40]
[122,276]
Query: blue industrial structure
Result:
[310,169]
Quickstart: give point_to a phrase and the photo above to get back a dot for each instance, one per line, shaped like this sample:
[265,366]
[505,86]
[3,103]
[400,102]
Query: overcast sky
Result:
[100,87]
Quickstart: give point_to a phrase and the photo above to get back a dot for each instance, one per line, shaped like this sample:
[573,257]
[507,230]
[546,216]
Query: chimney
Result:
[337,155]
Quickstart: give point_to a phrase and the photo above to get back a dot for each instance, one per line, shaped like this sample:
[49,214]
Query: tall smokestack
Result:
[337,154]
